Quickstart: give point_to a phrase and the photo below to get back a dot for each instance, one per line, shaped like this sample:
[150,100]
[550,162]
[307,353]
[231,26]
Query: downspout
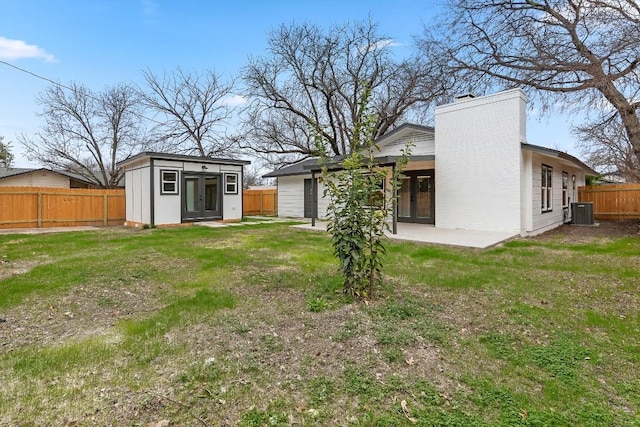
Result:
[314,194]
[152,210]
[241,184]
[394,208]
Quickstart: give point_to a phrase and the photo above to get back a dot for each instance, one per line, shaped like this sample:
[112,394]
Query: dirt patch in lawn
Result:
[82,312]
[604,230]
[13,268]
[290,347]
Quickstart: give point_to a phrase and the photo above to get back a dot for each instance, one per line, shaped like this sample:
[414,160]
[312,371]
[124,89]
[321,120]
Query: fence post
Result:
[106,211]
[261,208]
[39,209]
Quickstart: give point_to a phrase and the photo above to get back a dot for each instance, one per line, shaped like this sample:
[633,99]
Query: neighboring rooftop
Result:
[10,172]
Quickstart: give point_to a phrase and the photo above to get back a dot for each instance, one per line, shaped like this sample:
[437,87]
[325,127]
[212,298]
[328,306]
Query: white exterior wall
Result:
[36,179]
[423,144]
[137,199]
[232,203]
[526,188]
[167,207]
[291,197]
[542,222]
[478,162]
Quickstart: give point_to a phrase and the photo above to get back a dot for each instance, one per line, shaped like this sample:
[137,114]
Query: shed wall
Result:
[138,202]
[232,203]
[168,207]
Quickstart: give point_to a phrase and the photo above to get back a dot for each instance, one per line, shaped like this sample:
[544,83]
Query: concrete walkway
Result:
[429,234]
[247,220]
[45,230]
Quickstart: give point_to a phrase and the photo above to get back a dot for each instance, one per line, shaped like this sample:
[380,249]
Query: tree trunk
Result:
[627,113]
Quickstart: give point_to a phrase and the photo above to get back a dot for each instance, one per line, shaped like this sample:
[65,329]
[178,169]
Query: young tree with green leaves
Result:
[359,205]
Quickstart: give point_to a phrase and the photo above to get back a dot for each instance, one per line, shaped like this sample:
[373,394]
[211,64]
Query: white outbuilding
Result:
[169,189]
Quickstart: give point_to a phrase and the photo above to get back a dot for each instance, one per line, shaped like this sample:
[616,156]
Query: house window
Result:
[231,183]
[168,182]
[376,200]
[546,189]
[565,189]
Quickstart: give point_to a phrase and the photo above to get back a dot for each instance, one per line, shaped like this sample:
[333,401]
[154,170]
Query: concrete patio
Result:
[429,234]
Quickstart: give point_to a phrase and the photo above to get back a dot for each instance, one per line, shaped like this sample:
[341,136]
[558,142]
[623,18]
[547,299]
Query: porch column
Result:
[394,209]
[314,193]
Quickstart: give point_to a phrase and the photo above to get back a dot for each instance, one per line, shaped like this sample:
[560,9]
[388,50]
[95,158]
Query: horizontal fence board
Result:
[30,207]
[260,202]
[612,202]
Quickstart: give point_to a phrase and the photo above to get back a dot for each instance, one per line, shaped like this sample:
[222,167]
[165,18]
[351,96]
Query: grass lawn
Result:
[247,326]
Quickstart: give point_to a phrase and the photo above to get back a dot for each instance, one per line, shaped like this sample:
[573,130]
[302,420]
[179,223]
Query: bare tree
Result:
[313,79]
[582,53]
[607,148]
[86,132]
[252,176]
[6,156]
[193,110]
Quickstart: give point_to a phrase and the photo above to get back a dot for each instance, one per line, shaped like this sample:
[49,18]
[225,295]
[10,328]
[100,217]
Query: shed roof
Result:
[182,157]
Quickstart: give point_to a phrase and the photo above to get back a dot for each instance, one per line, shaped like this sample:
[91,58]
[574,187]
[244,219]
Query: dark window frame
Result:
[565,189]
[546,188]
[163,181]
[227,183]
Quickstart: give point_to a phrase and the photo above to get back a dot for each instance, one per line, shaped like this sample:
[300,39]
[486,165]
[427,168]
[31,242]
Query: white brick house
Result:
[474,171]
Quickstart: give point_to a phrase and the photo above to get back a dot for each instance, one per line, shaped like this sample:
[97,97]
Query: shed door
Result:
[202,197]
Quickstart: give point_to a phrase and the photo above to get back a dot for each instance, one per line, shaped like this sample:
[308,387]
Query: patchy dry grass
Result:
[247,326]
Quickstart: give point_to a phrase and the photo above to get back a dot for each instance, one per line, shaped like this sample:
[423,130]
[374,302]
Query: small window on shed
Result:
[169,182]
[231,183]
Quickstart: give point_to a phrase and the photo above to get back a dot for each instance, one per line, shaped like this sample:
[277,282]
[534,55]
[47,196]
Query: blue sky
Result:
[101,43]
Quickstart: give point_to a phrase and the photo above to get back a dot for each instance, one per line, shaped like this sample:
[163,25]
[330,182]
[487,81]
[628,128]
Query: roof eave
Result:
[182,157]
[560,155]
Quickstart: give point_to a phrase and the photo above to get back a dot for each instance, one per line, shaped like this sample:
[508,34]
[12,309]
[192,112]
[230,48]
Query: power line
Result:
[38,76]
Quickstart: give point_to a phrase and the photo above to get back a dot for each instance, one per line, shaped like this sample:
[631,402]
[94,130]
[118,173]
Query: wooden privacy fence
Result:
[612,201]
[30,207]
[260,202]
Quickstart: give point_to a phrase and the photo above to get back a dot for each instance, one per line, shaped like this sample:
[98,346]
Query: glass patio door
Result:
[416,197]
[201,197]
[424,210]
[404,198]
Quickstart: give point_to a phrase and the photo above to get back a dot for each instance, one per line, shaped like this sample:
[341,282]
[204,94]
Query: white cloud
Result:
[380,44]
[18,49]
[234,100]
[387,43]
[149,9]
